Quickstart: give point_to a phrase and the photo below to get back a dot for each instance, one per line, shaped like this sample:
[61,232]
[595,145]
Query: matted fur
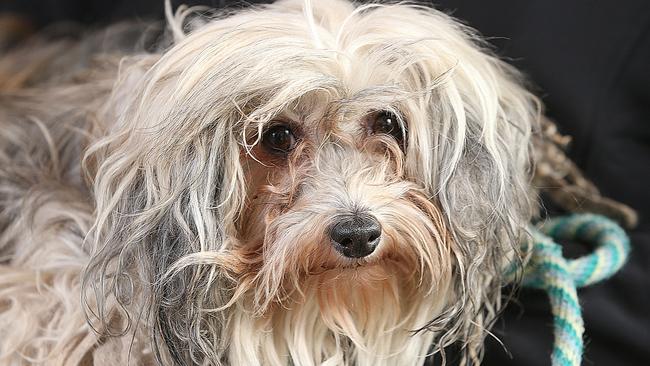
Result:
[134,190]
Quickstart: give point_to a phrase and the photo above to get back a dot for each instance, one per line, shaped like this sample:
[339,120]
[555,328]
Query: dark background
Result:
[590,63]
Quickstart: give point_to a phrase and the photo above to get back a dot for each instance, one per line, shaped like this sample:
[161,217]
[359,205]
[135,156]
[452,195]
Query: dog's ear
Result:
[167,184]
[482,123]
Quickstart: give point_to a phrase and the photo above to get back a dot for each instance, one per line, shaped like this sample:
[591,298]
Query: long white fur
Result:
[130,194]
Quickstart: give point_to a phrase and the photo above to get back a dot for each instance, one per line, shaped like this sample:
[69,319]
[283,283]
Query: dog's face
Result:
[358,171]
[330,201]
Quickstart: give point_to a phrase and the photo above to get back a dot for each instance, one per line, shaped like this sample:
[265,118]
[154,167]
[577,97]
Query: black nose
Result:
[356,236]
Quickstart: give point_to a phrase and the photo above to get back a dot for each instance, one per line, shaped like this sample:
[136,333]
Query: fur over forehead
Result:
[374,54]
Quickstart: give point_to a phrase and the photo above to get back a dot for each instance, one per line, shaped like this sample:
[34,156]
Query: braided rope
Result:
[560,277]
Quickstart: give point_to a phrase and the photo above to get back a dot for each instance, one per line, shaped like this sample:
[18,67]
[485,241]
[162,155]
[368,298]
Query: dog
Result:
[300,183]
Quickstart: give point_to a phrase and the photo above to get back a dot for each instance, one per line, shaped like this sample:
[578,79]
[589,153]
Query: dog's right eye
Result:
[279,140]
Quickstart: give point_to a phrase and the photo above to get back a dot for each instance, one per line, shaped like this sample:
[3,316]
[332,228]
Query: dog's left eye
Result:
[387,123]
[279,140]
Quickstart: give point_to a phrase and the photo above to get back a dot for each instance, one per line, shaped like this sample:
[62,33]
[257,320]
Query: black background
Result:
[590,63]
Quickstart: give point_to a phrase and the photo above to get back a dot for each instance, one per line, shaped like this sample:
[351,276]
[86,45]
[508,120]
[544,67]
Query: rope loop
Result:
[548,270]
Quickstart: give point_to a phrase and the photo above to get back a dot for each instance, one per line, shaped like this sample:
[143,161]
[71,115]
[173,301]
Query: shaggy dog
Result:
[302,183]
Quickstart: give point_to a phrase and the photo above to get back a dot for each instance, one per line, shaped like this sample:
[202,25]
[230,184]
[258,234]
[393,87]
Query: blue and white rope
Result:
[547,269]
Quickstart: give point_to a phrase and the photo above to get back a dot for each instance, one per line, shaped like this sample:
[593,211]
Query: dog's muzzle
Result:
[356,236]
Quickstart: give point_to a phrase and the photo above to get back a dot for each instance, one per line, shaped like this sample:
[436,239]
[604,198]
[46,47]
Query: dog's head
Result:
[362,168]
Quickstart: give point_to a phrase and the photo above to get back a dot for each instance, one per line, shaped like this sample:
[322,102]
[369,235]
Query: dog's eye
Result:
[279,140]
[387,123]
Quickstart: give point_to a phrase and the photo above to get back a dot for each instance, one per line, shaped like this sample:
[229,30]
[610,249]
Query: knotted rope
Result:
[547,269]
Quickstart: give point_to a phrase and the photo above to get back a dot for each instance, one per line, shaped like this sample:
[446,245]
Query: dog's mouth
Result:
[343,263]
[353,265]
